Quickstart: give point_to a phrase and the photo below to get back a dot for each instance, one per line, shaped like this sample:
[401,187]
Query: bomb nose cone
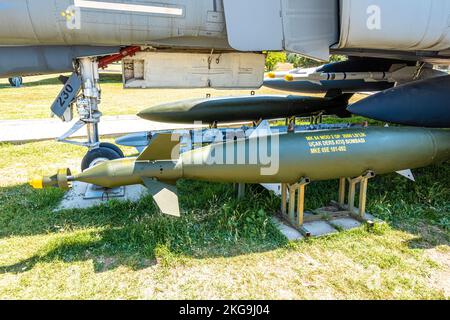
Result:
[37,182]
[422,103]
[174,112]
[59,180]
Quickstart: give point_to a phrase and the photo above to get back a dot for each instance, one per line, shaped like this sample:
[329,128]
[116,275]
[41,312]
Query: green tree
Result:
[302,62]
[273,58]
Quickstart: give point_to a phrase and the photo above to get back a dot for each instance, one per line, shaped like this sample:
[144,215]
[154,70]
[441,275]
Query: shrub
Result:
[273,58]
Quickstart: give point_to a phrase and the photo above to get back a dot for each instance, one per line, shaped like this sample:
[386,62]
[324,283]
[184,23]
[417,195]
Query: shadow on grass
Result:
[421,208]
[104,78]
[214,224]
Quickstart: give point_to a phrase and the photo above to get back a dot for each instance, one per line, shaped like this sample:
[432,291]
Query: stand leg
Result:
[283,198]
[301,186]
[241,190]
[301,205]
[363,182]
[341,192]
[363,198]
[351,194]
[363,193]
[292,191]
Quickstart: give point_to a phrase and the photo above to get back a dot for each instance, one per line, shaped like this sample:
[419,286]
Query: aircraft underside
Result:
[221,44]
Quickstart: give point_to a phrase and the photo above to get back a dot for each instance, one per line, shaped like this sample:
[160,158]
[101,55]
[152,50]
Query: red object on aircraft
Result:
[125,52]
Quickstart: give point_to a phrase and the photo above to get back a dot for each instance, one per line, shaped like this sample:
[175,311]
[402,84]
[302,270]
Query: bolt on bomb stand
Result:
[293,207]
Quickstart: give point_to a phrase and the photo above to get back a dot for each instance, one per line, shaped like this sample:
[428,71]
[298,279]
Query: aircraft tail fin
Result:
[164,195]
[163,146]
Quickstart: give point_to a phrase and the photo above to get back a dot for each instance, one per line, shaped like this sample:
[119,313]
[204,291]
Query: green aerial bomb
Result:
[279,158]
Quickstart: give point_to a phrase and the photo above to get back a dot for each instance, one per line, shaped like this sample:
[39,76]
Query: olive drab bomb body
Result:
[277,158]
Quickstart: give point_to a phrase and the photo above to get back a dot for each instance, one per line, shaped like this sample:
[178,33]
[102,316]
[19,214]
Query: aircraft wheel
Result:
[97,156]
[16,81]
[113,147]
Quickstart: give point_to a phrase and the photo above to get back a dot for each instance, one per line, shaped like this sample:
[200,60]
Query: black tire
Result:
[16,81]
[96,154]
[113,147]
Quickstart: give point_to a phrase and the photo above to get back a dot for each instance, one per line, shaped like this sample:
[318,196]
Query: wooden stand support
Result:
[240,190]
[293,203]
[292,209]
[360,212]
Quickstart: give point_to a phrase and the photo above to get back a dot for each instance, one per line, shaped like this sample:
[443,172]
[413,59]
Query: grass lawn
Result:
[221,247]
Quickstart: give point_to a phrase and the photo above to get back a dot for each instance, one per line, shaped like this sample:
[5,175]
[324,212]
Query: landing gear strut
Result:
[82,90]
[85,81]
[87,103]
